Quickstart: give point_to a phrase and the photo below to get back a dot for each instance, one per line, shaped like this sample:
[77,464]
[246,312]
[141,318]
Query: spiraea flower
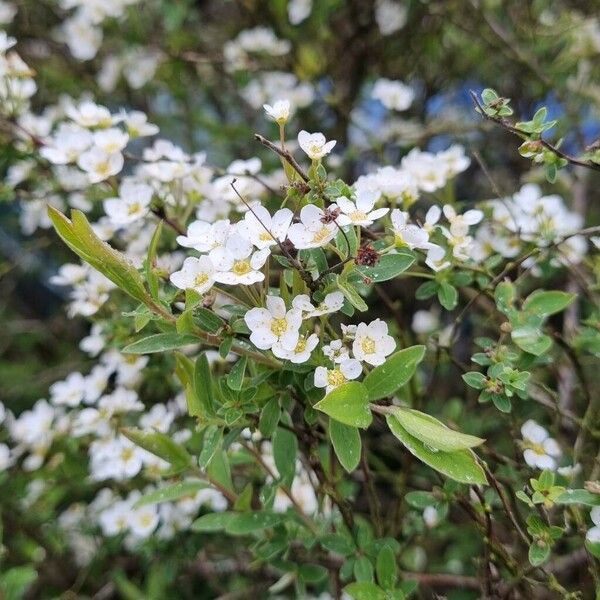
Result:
[372,343]
[360,211]
[459,224]
[274,324]
[343,372]
[315,145]
[279,111]
[539,449]
[132,204]
[300,353]
[236,263]
[331,303]
[99,165]
[204,237]
[196,274]
[264,230]
[316,227]
[407,234]
[394,95]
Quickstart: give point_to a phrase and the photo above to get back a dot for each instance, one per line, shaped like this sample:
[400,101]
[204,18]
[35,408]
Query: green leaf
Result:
[365,590]
[531,340]
[245,523]
[203,387]
[363,569]
[505,295]
[151,275]
[461,465]
[447,295]
[285,450]
[579,497]
[432,432]
[352,295]
[385,379]
[346,443]
[475,379]
[168,493]
[211,442]
[235,378]
[81,239]
[207,320]
[386,568]
[250,522]
[160,445]
[547,303]
[213,521]
[269,417]
[539,554]
[348,404]
[160,342]
[14,582]
[388,267]
[420,500]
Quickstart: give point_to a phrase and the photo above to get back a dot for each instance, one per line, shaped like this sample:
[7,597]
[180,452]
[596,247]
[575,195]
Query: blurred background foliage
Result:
[534,52]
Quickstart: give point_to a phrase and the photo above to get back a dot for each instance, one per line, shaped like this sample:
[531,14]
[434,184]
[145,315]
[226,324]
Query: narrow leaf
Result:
[346,443]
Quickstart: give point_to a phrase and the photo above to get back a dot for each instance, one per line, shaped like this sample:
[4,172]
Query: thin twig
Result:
[524,135]
[285,154]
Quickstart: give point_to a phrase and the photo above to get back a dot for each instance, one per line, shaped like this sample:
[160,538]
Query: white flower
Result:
[360,212]
[390,16]
[316,228]
[332,303]
[279,111]
[111,140]
[407,234]
[331,378]
[431,218]
[132,204]
[372,342]
[5,459]
[69,392]
[159,418]
[273,324]
[93,343]
[336,351]
[143,520]
[120,401]
[137,124]
[99,165]
[593,534]
[436,258]
[237,264]
[196,274]
[394,95]
[300,353]
[204,237]
[67,144]
[298,10]
[454,160]
[431,516]
[424,321]
[90,115]
[115,519]
[459,224]
[540,450]
[264,230]
[314,144]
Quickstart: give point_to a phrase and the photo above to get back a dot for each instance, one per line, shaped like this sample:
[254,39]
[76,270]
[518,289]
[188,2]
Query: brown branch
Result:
[285,154]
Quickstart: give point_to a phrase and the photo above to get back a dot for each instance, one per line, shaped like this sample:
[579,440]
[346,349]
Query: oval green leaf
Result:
[160,342]
[346,443]
[348,404]
[433,432]
[384,380]
[461,465]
